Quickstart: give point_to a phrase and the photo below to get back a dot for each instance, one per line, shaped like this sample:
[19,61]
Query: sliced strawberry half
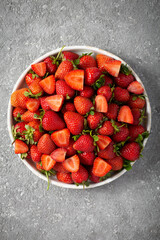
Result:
[75,79]
[61,138]
[39,68]
[103,141]
[55,102]
[135,87]
[59,154]
[113,67]
[33,104]
[47,162]
[72,164]
[125,115]
[100,167]
[101,104]
[20,147]
[48,84]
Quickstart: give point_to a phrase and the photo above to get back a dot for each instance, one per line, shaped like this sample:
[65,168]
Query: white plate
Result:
[21,83]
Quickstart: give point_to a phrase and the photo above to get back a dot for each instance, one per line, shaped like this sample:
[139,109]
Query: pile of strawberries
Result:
[80,118]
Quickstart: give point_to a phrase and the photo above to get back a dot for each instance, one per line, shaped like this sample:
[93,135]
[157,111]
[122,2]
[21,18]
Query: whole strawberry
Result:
[131,151]
[87,158]
[84,143]
[64,68]
[51,121]
[80,176]
[121,95]
[82,104]
[112,111]
[70,55]
[108,152]
[62,88]
[50,65]
[70,150]
[87,92]
[134,131]
[106,129]
[18,130]
[18,99]
[68,107]
[92,75]
[64,177]
[122,133]
[136,112]
[107,81]
[94,120]
[17,112]
[124,80]
[74,122]
[87,61]
[136,102]
[116,163]
[35,154]
[45,144]
[44,104]
[105,91]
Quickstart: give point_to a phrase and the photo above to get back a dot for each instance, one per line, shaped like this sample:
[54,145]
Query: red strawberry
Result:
[106,129]
[131,151]
[92,75]
[121,95]
[136,112]
[101,60]
[33,104]
[87,158]
[70,150]
[75,79]
[61,137]
[50,65]
[58,167]
[59,154]
[55,102]
[35,154]
[30,77]
[80,176]
[94,120]
[34,124]
[39,166]
[20,147]
[101,104]
[103,141]
[51,121]
[134,131]
[105,91]
[17,112]
[93,178]
[122,134]
[108,152]
[68,107]
[108,81]
[87,61]
[125,115]
[116,163]
[39,68]
[44,104]
[64,177]
[82,104]
[113,67]
[72,164]
[19,128]
[75,122]
[64,68]
[36,88]
[84,143]
[29,116]
[45,144]
[136,102]
[48,84]
[62,88]
[112,111]
[70,55]
[100,167]
[135,87]
[18,99]
[124,80]
[87,92]
[37,135]
[47,162]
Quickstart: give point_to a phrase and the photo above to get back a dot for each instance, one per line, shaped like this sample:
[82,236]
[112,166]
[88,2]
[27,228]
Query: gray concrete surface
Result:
[125,209]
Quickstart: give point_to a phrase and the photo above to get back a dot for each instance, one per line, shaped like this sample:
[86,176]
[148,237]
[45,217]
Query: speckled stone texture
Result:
[128,208]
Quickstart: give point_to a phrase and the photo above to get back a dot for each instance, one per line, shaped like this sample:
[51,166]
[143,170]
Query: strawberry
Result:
[62,88]
[136,112]
[87,158]
[34,124]
[105,91]
[82,104]
[108,152]
[100,167]
[75,122]
[134,131]
[75,79]
[20,147]
[36,88]
[106,129]
[70,55]
[135,87]
[19,128]
[103,141]
[72,164]
[30,77]
[64,177]
[113,67]
[101,60]
[44,104]
[37,135]
[94,178]
[84,143]
[123,80]
[39,166]
[136,102]
[61,137]
[35,154]
[122,133]
[17,112]
[45,144]
[51,66]
[116,163]
[125,115]
[39,68]
[58,167]
[101,104]
[121,95]
[48,84]
[131,151]
[108,81]
[68,107]
[91,75]
[32,104]
[112,111]
[59,154]
[18,99]
[64,68]
[70,150]
[29,116]
[80,176]
[87,61]
[87,92]
[94,120]
[51,121]
[47,162]
[55,102]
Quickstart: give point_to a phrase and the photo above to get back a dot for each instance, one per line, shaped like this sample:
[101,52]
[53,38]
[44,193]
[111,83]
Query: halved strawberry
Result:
[135,87]
[113,67]
[32,104]
[101,104]
[59,154]
[75,79]
[61,137]
[39,68]
[101,60]
[103,141]
[125,115]
[20,147]
[55,102]
[100,167]
[47,162]
[48,84]
[72,164]
[64,177]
